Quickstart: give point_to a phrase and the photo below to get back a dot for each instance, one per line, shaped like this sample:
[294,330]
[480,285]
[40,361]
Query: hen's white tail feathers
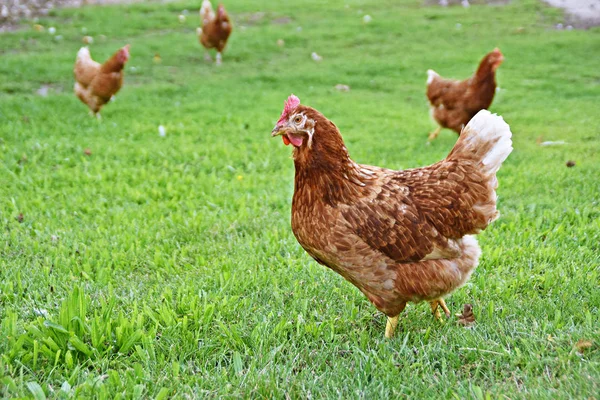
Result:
[83,53]
[487,139]
[431,75]
[206,12]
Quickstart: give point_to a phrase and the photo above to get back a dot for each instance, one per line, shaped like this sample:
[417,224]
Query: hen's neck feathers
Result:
[325,167]
[113,64]
[485,73]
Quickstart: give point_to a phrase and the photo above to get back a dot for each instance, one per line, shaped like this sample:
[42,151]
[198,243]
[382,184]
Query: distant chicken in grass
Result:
[95,83]
[215,29]
[398,236]
[453,103]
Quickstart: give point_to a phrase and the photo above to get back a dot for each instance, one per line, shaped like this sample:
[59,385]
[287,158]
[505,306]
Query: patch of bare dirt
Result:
[13,11]
[581,14]
[465,3]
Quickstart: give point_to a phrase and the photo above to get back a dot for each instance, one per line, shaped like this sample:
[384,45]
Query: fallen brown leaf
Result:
[466,318]
[570,163]
[20,217]
[87,151]
[582,345]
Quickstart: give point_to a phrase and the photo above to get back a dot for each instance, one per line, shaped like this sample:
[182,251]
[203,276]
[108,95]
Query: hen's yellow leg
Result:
[436,311]
[390,327]
[435,133]
[444,307]
[392,323]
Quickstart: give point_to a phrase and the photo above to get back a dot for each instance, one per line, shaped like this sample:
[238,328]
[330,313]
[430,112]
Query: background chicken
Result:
[215,29]
[96,83]
[453,103]
[398,236]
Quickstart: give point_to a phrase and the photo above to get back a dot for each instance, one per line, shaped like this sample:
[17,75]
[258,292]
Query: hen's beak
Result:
[278,130]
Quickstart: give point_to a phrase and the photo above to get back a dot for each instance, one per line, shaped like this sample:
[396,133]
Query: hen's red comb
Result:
[291,103]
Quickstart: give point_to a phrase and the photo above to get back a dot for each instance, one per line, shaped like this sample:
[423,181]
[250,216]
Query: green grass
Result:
[163,267]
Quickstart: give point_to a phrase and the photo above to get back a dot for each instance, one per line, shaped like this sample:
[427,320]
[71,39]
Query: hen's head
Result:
[307,130]
[221,13]
[123,54]
[494,59]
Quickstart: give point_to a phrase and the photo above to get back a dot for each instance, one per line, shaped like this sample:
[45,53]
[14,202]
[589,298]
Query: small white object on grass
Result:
[162,132]
[465,3]
[43,91]
[280,42]
[41,312]
[367,18]
[342,88]
[58,37]
[316,57]
[553,143]
[87,40]
[52,30]
[181,18]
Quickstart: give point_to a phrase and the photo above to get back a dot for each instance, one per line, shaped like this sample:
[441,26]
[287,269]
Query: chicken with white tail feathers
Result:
[398,236]
[215,29]
[95,83]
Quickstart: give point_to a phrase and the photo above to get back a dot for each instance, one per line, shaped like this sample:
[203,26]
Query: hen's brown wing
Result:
[447,92]
[85,71]
[418,214]
[105,85]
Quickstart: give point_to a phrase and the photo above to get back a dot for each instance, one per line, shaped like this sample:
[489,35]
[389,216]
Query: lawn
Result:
[135,265]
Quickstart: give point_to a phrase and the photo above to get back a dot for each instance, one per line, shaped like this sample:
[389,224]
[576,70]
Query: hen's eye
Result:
[297,119]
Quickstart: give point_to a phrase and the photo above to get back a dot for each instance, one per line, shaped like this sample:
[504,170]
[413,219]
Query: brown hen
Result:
[95,83]
[453,103]
[215,29]
[398,236]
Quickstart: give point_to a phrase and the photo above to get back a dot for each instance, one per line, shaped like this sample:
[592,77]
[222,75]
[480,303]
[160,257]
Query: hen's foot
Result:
[390,327]
[435,304]
[392,323]
[219,59]
[435,133]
